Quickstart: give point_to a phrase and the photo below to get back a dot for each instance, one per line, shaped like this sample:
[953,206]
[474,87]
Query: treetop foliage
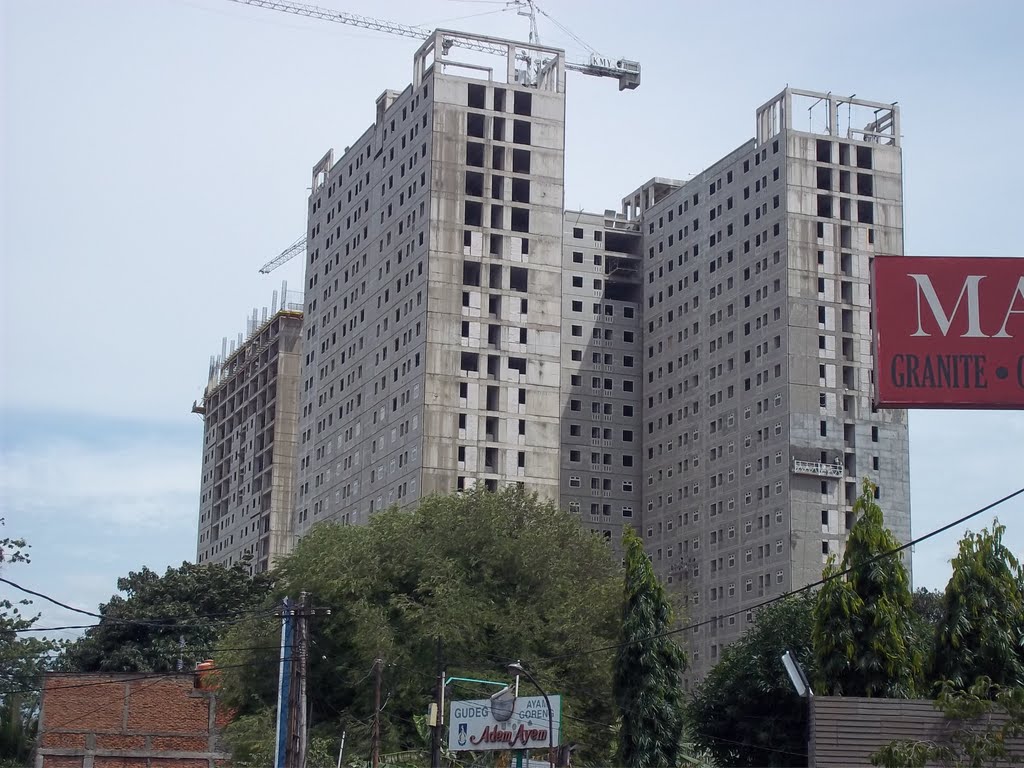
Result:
[863,630]
[980,630]
[497,577]
[161,619]
[648,667]
[745,712]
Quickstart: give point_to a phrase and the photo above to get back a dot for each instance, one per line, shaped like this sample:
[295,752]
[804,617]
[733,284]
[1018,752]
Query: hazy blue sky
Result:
[156,152]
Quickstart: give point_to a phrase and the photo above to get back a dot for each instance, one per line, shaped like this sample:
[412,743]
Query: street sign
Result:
[473,728]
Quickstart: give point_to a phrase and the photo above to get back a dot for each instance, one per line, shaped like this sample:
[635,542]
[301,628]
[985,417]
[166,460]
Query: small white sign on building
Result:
[472,727]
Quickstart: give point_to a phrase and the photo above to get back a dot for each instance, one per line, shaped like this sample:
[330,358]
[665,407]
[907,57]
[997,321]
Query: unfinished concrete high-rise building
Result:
[431,356]
[697,364]
[758,368]
[250,436]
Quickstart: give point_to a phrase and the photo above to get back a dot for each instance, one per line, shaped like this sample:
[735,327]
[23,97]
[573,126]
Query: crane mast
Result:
[626,71]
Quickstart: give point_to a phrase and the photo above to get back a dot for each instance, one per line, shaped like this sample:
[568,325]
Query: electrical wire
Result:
[785,595]
[162,623]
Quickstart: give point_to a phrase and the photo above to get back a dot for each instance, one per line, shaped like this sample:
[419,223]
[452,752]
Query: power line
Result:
[130,677]
[162,623]
[785,595]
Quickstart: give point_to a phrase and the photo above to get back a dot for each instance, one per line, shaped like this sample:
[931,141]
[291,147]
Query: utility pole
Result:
[435,733]
[375,732]
[284,698]
[292,715]
[296,745]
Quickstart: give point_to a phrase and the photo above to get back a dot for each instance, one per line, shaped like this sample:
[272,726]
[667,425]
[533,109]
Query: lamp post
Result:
[516,668]
[802,685]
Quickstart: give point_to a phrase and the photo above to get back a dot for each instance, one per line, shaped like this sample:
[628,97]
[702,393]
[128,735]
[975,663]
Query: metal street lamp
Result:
[518,669]
[802,685]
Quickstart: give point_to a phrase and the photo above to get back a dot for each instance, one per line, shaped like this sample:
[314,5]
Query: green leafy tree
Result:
[745,712]
[497,577]
[863,622]
[648,668]
[980,632]
[23,659]
[161,619]
[927,611]
[986,728]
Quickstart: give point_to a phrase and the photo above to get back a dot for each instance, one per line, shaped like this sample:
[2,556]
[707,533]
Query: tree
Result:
[981,629]
[984,721]
[23,659]
[497,577]
[745,712]
[863,622]
[648,667]
[927,610]
[161,619]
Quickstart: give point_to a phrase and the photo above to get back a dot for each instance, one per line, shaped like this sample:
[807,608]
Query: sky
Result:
[155,153]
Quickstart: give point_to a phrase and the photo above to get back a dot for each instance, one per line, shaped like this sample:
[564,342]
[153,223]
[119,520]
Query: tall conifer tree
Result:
[648,668]
[863,623]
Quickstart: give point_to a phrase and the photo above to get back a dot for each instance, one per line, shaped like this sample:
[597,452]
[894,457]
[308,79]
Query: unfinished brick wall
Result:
[129,721]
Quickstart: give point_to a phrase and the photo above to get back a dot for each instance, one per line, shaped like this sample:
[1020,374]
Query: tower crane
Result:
[626,71]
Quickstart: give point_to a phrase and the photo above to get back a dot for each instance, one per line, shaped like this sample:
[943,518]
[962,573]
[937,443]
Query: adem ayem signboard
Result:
[472,727]
[949,332]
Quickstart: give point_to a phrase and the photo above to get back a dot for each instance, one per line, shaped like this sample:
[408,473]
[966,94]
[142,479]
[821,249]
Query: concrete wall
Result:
[431,350]
[602,366]
[494,299]
[757,282]
[250,427]
[112,721]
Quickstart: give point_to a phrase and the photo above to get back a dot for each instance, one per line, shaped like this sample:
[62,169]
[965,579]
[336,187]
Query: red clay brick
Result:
[66,740]
[55,761]
[180,743]
[77,702]
[120,762]
[170,762]
[164,705]
[119,741]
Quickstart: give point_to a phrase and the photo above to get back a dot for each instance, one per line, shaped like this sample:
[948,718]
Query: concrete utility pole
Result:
[298,727]
[292,715]
[435,731]
[284,681]
[378,665]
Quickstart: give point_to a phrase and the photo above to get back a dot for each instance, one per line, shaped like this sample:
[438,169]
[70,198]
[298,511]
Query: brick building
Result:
[129,721]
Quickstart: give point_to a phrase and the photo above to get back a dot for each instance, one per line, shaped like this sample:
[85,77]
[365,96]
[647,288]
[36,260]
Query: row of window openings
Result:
[494,337]
[597,459]
[472,272]
[597,510]
[491,427]
[492,459]
[519,220]
[716,186]
[476,95]
[474,187]
[476,156]
[492,396]
[717,237]
[599,383]
[608,310]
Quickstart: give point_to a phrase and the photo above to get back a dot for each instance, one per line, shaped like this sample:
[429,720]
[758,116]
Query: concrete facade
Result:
[602,357]
[758,421]
[433,290]
[250,436]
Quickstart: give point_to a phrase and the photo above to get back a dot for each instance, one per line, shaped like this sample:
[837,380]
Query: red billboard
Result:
[949,332]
